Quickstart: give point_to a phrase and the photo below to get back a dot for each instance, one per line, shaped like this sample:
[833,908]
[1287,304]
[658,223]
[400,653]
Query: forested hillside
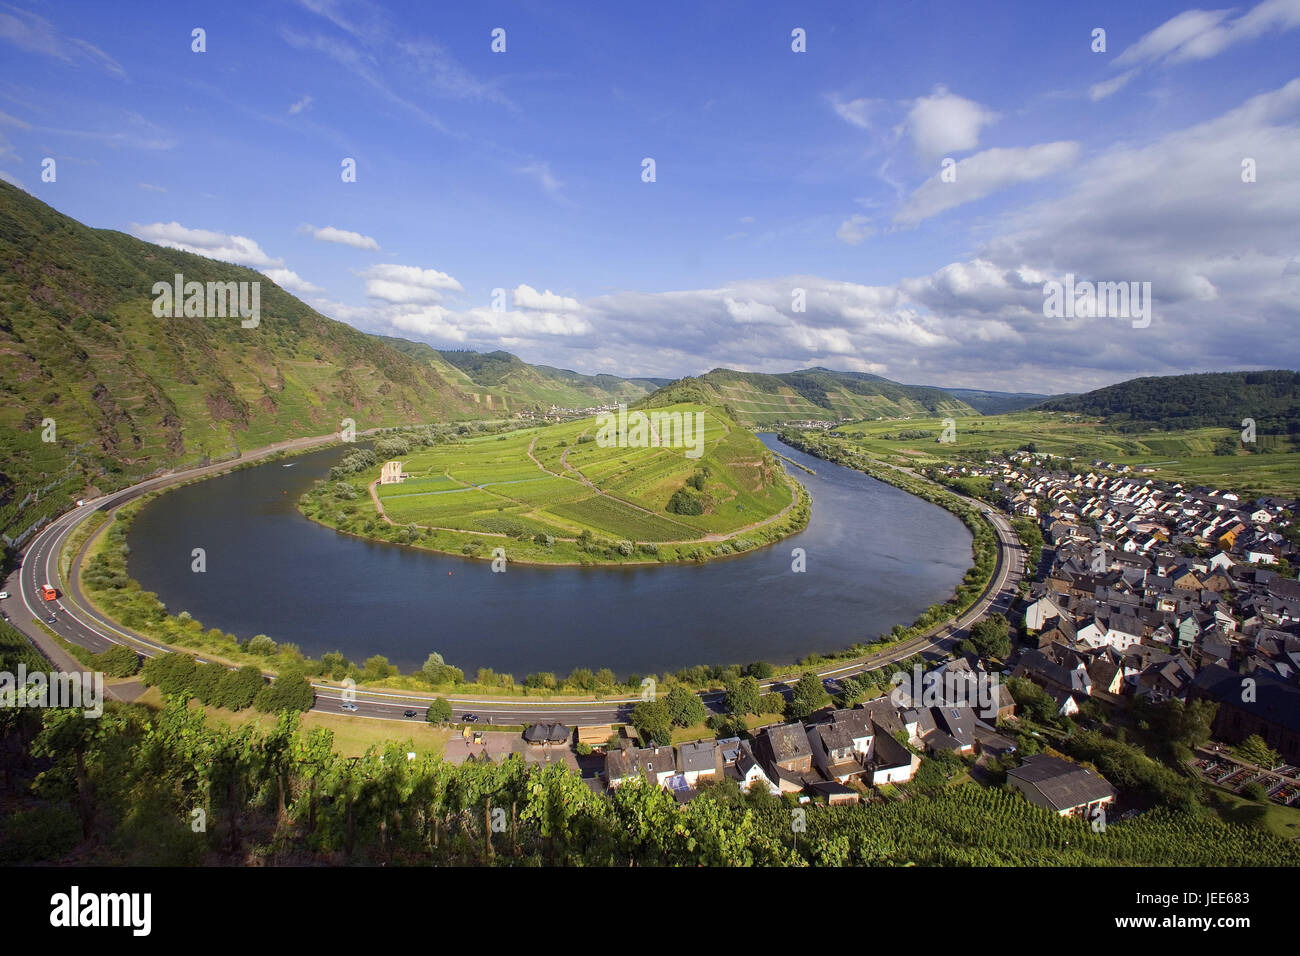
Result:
[128,393]
[814,394]
[1172,402]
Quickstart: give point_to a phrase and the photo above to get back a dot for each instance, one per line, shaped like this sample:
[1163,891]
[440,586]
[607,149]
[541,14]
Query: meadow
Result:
[1271,466]
[565,497]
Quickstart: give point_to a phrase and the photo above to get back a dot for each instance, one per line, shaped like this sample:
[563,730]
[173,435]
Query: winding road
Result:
[77,621]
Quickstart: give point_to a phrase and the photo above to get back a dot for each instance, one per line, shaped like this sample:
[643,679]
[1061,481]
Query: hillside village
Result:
[1144,590]
[1158,590]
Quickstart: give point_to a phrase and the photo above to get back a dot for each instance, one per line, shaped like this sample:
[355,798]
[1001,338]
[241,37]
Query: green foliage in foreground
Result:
[124,789]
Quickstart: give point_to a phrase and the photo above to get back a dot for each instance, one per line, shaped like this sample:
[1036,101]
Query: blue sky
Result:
[775,170]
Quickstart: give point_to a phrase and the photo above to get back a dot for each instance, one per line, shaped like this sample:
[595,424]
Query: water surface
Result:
[876,557]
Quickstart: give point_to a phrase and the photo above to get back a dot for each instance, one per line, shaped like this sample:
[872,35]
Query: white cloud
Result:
[526,297]
[298,107]
[343,237]
[945,123]
[854,230]
[37,35]
[215,245]
[153,188]
[288,279]
[857,112]
[542,173]
[408,284]
[1201,34]
[984,173]
[1099,91]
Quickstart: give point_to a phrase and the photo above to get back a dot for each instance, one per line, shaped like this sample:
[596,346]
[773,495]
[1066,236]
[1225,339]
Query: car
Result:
[51,620]
[3,595]
[408,713]
[470,718]
[350,707]
[3,616]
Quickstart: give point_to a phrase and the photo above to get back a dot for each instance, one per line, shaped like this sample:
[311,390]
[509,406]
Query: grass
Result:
[509,490]
[1234,808]
[353,736]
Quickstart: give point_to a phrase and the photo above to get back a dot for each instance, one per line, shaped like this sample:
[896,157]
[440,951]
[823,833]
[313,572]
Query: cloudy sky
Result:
[919,172]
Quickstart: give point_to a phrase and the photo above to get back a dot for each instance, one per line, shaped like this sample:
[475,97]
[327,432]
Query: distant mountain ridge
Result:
[503,382]
[1223,399]
[812,394]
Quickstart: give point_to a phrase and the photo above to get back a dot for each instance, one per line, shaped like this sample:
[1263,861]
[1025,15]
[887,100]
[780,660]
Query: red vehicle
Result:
[48,592]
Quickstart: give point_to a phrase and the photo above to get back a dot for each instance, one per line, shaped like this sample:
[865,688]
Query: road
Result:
[78,622]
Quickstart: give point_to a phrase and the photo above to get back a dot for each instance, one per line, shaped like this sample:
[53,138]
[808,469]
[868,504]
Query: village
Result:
[1144,591]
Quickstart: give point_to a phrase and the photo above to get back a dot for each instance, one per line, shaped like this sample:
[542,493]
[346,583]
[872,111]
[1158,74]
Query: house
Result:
[840,746]
[747,772]
[1272,710]
[655,764]
[699,761]
[1061,786]
[541,735]
[789,756]
[391,473]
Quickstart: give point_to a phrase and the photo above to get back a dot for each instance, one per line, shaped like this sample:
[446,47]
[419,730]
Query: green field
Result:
[587,495]
[1271,466]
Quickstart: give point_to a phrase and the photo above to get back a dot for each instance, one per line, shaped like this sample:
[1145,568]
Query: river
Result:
[875,556]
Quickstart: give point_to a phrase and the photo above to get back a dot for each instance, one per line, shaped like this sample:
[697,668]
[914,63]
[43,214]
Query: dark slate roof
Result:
[1063,784]
[788,742]
[1276,700]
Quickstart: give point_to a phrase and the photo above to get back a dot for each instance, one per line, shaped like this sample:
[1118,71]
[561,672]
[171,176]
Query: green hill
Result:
[1221,399]
[504,382]
[997,403]
[814,394]
[130,393]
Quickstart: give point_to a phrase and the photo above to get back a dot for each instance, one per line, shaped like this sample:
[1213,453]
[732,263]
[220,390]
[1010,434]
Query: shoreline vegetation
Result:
[111,591]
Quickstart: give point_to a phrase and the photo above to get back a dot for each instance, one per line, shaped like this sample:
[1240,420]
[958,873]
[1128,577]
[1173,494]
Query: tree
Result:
[238,688]
[992,637]
[261,645]
[291,692]
[173,674]
[808,695]
[653,722]
[439,711]
[685,709]
[743,696]
[118,661]
[1255,750]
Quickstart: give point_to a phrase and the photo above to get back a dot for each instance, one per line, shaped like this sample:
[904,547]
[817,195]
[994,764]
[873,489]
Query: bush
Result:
[173,674]
[118,661]
[290,692]
[238,689]
[261,645]
[684,503]
[439,711]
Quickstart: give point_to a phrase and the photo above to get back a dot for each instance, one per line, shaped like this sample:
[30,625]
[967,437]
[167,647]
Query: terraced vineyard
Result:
[563,496]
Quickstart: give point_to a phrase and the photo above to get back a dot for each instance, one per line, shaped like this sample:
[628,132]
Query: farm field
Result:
[1273,467]
[564,496]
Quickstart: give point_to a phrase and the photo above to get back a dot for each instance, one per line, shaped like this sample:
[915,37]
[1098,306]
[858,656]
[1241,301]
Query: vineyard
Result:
[566,498]
[119,789]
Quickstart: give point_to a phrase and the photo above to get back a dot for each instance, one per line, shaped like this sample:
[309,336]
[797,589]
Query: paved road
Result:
[77,622]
